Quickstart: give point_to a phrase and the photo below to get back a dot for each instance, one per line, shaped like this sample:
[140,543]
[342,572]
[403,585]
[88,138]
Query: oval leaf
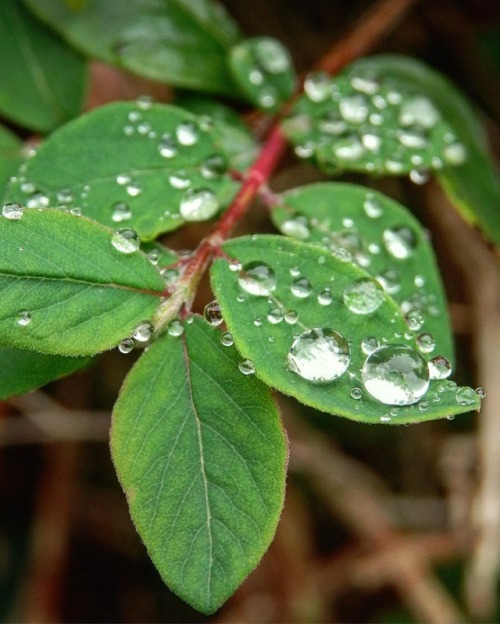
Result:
[23,371]
[42,80]
[201,454]
[265,329]
[363,121]
[375,232]
[182,42]
[65,289]
[474,185]
[128,163]
[263,69]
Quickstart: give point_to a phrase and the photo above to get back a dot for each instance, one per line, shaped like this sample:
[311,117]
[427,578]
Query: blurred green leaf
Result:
[181,42]
[201,454]
[42,80]
[10,156]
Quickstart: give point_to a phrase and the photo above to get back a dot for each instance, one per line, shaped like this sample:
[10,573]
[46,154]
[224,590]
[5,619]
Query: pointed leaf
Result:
[23,371]
[367,121]
[263,69]
[265,329]
[473,185]
[10,156]
[182,42]
[372,230]
[201,454]
[42,80]
[128,163]
[65,289]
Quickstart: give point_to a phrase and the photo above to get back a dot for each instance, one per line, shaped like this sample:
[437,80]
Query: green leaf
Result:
[201,454]
[263,69]
[182,42]
[10,156]
[128,163]
[265,329]
[23,371]
[42,80]
[236,139]
[474,185]
[65,289]
[375,232]
[370,121]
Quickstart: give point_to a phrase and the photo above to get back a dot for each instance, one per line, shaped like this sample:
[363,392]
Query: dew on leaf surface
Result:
[275,316]
[418,111]
[395,375]
[356,393]
[27,187]
[12,211]
[187,133]
[354,109]
[65,196]
[296,227]
[372,207]
[272,56]
[400,242]
[414,319]
[325,297]
[318,86]
[365,84]
[179,179]
[167,146]
[37,200]
[481,393]
[363,296]
[465,395]
[419,176]
[121,212]
[143,331]
[369,344]
[126,345]
[439,367]
[227,339]
[126,240]
[455,154]
[198,204]
[213,166]
[134,188]
[390,281]
[175,328]
[213,313]
[319,355]
[291,317]
[23,318]
[257,278]
[426,343]
[301,288]
[123,178]
[246,367]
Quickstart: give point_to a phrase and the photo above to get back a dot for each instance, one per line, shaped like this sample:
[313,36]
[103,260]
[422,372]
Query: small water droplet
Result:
[365,84]
[37,200]
[395,375]
[423,406]
[27,188]
[348,148]
[128,130]
[295,271]
[455,154]
[199,204]
[426,343]
[481,393]
[12,211]
[144,127]
[213,313]
[179,179]
[167,147]
[400,242]
[23,318]
[122,179]
[372,207]
[301,288]
[439,367]
[121,212]
[257,278]
[291,317]
[275,316]
[318,86]
[356,393]
[187,133]
[419,176]
[175,328]
[234,266]
[390,281]
[126,240]
[213,167]
[419,281]
[126,345]
[363,296]
[227,339]
[325,297]
[319,355]
[143,332]
[418,111]
[414,319]
[369,344]
[413,139]
[354,109]
[272,56]
[65,196]
[465,396]
[134,116]
[144,102]
[134,188]
[246,367]
[296,227]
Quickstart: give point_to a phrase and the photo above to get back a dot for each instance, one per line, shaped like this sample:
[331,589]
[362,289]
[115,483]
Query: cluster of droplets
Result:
[142,334]
[359,121]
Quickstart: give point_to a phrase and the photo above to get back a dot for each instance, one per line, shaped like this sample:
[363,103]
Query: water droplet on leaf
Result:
[198,204]
[426,343]
[126,345]
[12,211]
[246,367]
[175,328]
[319,355]
[317,86]
[439,367]
[301,288]
[400,242]
[465,396]
[121,212]
[187,133]
[23,318]
[227,339]
[257,278]
[126,240]
[363,296]
[143,332]
[213,313]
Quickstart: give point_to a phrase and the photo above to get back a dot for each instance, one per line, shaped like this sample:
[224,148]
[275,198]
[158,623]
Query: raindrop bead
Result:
[187,133]
[167,147]
[369,344]
[439,367]
[121,212]
[325,297]
[291,317]
[23,318]
[213,167]
[246,367]
[455,154]
[363,296]
[356,393]
[275,316]
[126,346]
[64,196]
[227,339]
[257,278]
[354,109]
[481,393]
[426,343]
[179,179]
[198,204]
[419,176]
[175,329]
[126,241]
[144,102]
[301,288]
[213,314]
[272,56]
[143,332]
[319,355]
[296,227]
[372,208]
[400,242]
[465,396]
[395,375]
[318,86]
[418,111]
[134,188]
[122,179]
[12,211]
[414,319]
[38,200]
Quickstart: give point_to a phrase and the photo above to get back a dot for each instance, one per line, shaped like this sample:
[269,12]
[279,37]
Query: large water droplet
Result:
[319,355]
[257,278]
[143,332]
[12,211]
[213,313]
[134,188]
[175,328]
[246,367]
[325,297]
[187,133]
[395,375]
[275,316]
[465,396]
[426,343]
[301,287]
[23,318]
[198,204]
[439,367]
[227,339]
[363,296]
[400,242]
[126,240]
